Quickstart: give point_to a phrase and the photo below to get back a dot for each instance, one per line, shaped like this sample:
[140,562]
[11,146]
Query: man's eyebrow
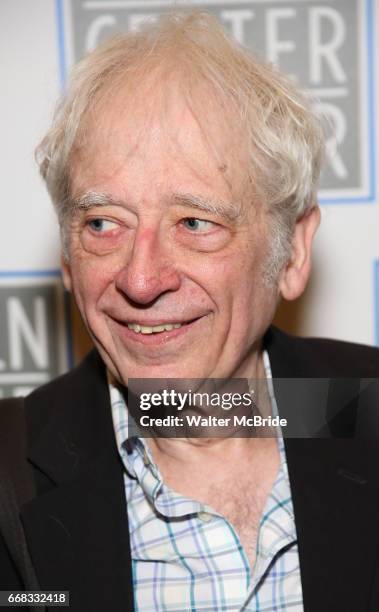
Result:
[93,198]
[228,211]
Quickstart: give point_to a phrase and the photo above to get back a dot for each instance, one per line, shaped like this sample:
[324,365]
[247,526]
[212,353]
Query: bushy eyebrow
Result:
[93,198]
[228,211]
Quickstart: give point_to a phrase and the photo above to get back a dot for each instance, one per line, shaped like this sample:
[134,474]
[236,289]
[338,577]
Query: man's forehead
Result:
[164,110]
[157,127]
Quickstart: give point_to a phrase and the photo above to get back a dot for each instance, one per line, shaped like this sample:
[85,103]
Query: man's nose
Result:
[149,270]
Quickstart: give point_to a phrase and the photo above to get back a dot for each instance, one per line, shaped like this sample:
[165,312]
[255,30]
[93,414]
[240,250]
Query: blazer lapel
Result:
[335,497]
[333,479]
[77,527]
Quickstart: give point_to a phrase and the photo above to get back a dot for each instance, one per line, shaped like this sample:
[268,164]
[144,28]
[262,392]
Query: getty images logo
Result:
[34,341]
[326,46]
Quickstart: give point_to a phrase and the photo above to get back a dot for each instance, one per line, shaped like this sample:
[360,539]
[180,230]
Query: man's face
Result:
[166,265]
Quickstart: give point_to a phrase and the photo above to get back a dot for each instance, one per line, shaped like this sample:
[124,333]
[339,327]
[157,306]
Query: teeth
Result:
[155,329]
[135,327]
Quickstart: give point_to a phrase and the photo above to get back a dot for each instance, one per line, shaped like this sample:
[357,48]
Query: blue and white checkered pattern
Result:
[187,557]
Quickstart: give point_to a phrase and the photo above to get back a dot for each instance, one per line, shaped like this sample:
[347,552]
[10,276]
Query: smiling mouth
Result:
[156,329]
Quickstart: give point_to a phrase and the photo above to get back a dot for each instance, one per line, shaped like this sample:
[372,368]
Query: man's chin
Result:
[163,372]
[183,374]
[127,360]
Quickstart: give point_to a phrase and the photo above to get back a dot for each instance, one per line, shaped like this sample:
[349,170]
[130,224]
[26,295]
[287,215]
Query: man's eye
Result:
[197,225]
[101,225]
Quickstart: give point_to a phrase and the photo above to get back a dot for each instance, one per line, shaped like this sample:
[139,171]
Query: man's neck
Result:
[184,453]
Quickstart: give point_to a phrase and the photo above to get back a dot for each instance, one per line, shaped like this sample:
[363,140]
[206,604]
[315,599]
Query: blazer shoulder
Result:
[322,357]
[84,385]
[363,359]
[89,369]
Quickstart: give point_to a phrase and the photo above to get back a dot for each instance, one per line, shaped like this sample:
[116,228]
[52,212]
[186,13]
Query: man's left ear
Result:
[66,274]
[294,276]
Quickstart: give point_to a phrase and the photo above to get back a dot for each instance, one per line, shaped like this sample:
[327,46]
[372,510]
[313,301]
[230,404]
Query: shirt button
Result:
[205,517]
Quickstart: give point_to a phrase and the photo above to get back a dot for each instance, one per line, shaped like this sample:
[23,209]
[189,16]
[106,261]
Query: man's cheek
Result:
[89,273]
[87,287]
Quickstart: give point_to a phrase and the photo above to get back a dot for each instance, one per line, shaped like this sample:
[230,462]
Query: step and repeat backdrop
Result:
[329,46]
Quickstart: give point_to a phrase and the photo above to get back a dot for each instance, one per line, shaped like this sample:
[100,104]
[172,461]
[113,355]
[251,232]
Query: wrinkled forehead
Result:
[164,117]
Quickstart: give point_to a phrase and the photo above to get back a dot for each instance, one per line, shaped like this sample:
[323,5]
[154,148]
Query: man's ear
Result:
[66,274]
[294,276]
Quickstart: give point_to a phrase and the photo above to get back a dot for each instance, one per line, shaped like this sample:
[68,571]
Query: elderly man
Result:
[183,172]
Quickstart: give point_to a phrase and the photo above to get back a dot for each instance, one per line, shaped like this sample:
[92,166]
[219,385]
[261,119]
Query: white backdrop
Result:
[329,45]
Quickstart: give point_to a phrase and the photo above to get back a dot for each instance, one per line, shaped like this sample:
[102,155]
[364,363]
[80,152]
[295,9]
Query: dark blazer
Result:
[77,526]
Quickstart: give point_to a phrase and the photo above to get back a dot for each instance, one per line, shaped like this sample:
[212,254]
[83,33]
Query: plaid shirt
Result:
[186,557]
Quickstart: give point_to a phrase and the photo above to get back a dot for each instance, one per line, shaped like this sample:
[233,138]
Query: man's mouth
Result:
[154,329]
[155,332]
[158,328]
